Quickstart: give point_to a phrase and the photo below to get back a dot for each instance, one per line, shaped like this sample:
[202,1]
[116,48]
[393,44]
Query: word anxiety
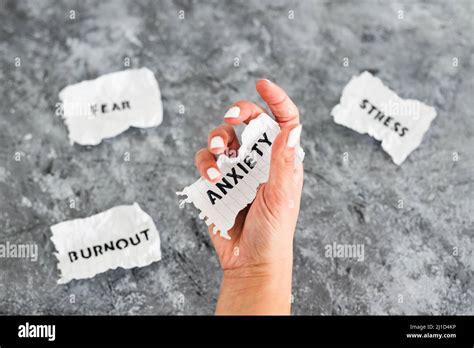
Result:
[237,172]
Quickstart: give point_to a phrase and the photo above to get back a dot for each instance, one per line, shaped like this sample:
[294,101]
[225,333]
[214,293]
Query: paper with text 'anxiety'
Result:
[368,106]
[124,236]
[220,202]
[107,106]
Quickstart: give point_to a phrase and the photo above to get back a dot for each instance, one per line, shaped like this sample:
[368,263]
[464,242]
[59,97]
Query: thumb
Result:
[285,175]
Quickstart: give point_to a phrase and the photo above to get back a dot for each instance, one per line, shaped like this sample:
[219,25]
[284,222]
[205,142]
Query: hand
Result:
[257,261]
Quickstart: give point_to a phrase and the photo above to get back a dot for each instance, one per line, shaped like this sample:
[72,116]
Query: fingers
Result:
[219,139]
[285,111]
[242,111]
[285,176]
[222,138]
[207,166]
[283,108]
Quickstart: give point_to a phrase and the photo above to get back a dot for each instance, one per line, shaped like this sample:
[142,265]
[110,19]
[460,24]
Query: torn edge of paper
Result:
[367,106]
[94,110]
[255,149]
[123,236]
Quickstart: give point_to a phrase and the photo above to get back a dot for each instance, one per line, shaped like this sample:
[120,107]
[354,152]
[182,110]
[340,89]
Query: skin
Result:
[257,262]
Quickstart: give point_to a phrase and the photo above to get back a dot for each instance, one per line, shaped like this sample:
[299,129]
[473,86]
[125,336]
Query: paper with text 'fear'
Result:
[124,236]
[368,106]
[220,202]
[107,106]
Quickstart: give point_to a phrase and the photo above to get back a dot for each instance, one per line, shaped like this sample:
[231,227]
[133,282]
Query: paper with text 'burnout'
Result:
[124,236]
[220,202]
[368,106]
[107,106]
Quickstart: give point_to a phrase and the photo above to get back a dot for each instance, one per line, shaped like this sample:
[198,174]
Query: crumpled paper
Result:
[107,106]
[124,236]
[368,106]
[219,203]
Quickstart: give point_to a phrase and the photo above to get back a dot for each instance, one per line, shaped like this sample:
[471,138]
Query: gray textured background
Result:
[408,251]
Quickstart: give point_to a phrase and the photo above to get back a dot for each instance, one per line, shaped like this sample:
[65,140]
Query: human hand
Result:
[257,261]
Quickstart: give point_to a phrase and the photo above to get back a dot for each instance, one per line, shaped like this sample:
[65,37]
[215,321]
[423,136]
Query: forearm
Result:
[257,290]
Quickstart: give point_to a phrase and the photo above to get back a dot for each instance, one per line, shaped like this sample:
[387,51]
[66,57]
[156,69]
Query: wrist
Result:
[257,289]
[259,272]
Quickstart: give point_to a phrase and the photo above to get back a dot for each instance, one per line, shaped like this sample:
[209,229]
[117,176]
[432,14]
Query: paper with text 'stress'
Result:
[124,236]
[107,106]
[368,106]
[220,202]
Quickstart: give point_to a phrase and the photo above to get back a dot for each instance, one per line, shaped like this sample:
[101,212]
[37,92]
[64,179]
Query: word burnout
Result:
[101,249]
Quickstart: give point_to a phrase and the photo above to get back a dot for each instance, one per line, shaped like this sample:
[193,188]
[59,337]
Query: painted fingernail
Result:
[294,136]
[233,112]
[213,173]
[267,80]
[217,142]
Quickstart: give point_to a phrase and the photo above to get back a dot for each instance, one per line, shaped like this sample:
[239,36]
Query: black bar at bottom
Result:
[136,330]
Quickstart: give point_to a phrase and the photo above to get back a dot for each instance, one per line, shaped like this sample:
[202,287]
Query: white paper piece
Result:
[220,202]
[367,106]
[107,106]
[123,236]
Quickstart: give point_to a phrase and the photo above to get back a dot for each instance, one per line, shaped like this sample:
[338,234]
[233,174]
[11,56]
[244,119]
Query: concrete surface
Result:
[418,259]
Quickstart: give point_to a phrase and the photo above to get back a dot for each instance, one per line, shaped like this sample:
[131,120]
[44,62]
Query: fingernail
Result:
[233,112]
[213,173]
[267,80]
[294,136]
[217,142]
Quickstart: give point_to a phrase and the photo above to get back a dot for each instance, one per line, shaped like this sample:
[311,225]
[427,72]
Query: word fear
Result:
[238,171]
[37,331]
[111,107]
[97,250]
[381,117]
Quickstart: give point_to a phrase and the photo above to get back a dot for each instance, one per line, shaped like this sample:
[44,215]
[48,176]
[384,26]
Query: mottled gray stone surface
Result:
[422,252]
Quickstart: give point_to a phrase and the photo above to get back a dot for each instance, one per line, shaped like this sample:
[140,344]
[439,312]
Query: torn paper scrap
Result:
[220,202]
[368,106]
[107,106]
[124,236]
